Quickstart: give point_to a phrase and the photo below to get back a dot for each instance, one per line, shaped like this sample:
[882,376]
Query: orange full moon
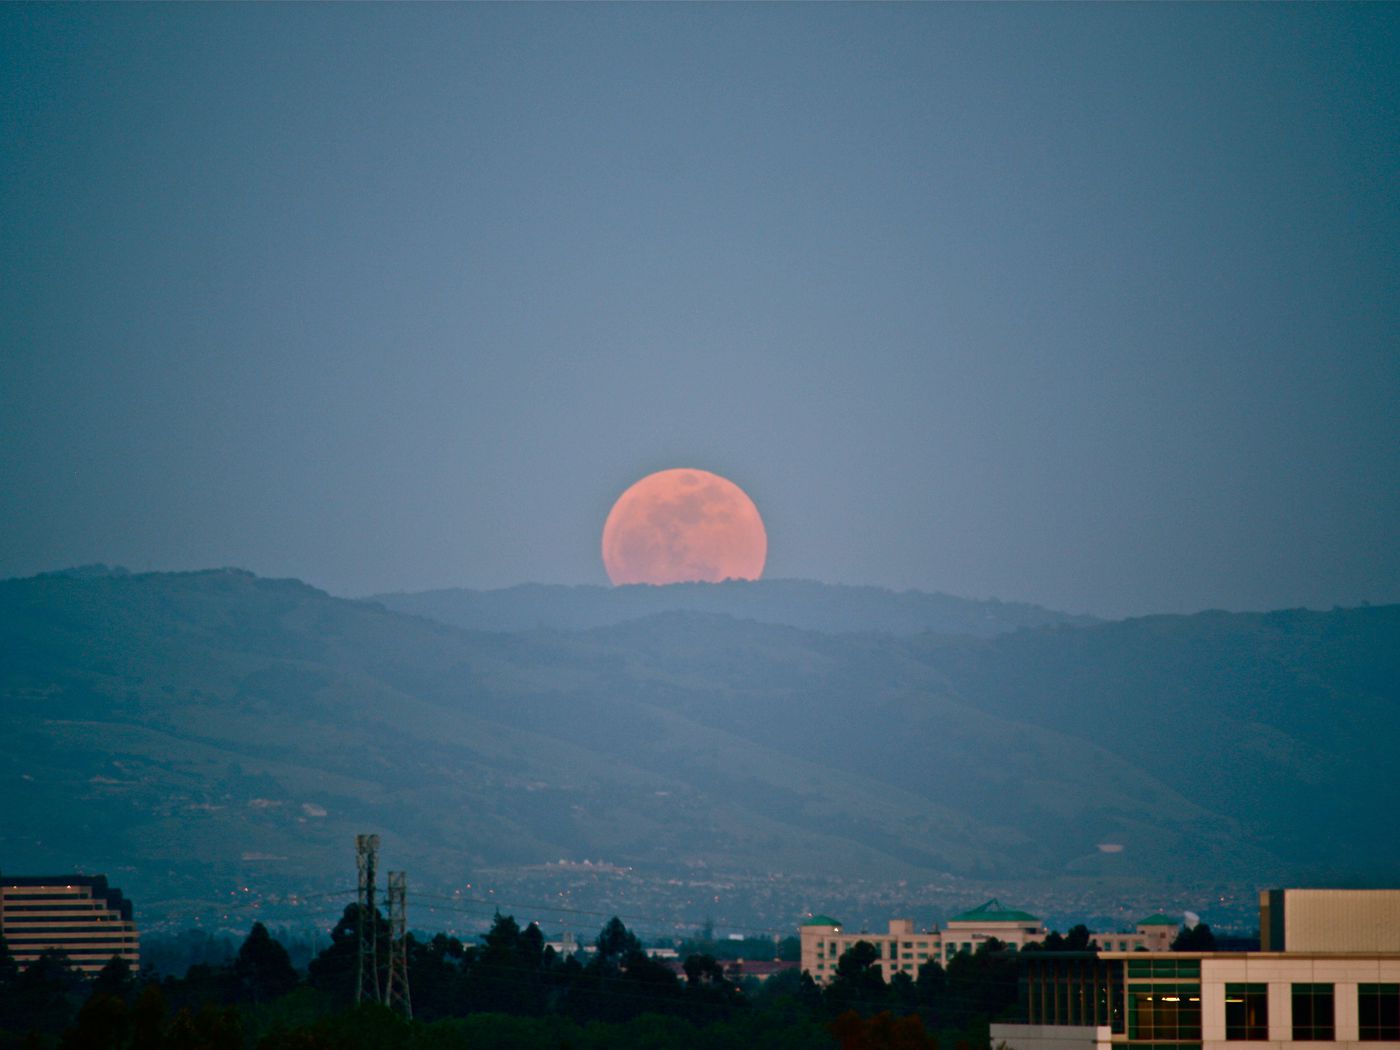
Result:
[679,526]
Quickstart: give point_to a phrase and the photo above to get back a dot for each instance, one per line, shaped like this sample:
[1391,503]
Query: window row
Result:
[1313,1012]
[1161,1012]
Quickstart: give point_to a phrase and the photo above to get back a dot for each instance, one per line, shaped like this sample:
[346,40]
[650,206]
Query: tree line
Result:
[511,991]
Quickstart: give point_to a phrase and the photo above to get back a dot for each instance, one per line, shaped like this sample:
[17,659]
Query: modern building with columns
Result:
[1329,975]
[903,948]
[78,915]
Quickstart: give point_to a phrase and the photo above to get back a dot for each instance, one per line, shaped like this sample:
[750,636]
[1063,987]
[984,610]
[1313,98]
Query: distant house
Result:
[903,949]
[79,915]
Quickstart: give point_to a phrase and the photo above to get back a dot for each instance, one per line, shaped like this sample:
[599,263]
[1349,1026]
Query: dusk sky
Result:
[1095,306]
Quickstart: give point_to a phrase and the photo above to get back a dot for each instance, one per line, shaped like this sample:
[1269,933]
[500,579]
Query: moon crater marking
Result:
[684,525]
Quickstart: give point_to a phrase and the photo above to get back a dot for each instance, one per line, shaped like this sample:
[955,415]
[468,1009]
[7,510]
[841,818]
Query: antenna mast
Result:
[396,989]
[367,964]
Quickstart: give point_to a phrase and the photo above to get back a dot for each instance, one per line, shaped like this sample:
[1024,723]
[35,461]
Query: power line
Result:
[631,917]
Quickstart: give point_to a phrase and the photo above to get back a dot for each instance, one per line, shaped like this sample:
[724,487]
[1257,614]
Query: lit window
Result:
[1161,1012]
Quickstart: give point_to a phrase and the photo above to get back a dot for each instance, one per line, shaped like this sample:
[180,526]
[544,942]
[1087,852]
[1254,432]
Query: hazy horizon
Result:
[606,586]
[1091,307]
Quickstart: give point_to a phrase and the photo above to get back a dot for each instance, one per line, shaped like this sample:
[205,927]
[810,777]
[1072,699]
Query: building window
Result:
[1162,1012]
[1246,1011]
[1313,1013]
[1378,1010]
[1164,967]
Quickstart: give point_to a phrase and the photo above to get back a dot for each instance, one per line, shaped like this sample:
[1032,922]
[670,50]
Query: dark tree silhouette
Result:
[436,970]
[263,968]
[980,984]
[931,985]
[615,943]
[104,1023]
[333,970]
[148,1017]
[114,979]
[884,1031]
[621,981]
[1196,938]
[858,983]
[507,973]
[9,969]
[1079,939]
[44,996]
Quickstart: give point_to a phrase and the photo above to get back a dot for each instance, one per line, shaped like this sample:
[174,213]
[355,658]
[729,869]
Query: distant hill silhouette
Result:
[833,608]
[192,732]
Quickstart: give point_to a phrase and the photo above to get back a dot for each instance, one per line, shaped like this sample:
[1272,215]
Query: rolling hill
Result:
[831,608]
[202,736]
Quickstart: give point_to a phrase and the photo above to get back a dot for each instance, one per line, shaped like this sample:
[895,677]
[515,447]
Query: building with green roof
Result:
[1159,920]
[993,911]
[903,949]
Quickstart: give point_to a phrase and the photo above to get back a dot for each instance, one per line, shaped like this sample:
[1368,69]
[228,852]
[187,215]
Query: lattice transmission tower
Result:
[367,965]
[396,987]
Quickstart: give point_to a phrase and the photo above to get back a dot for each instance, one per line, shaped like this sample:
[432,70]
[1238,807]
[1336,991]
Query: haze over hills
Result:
[834,608]
[194,733]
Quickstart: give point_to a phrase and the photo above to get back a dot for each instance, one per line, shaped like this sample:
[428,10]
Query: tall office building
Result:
[79,915]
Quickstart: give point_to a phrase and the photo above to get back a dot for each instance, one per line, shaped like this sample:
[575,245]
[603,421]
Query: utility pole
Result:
[396,989]
[367,965]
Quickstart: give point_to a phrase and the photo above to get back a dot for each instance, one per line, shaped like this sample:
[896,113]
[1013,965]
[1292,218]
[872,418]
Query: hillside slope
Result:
[194,733]
[831,608]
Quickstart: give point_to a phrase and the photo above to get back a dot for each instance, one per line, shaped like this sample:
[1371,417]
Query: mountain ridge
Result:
[214,728]
[831,608]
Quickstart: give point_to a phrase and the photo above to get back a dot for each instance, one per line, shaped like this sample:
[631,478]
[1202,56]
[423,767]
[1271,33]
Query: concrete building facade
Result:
[1340,986]
[903,949]
[79,915]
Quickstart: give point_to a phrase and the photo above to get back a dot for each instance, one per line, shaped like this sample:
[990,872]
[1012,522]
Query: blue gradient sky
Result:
[1089,305]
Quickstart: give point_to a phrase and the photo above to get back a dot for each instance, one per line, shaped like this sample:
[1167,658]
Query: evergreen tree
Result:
[1196,938]
[502,977]
[615,943]
[9,969]
[859,983]
[114,979]
[436,969]
[930,988]
[1079,939]
[335,968]
[103,1024]
[622,981]
[45,995]
[981,984]
[263,968]
[148,1018]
